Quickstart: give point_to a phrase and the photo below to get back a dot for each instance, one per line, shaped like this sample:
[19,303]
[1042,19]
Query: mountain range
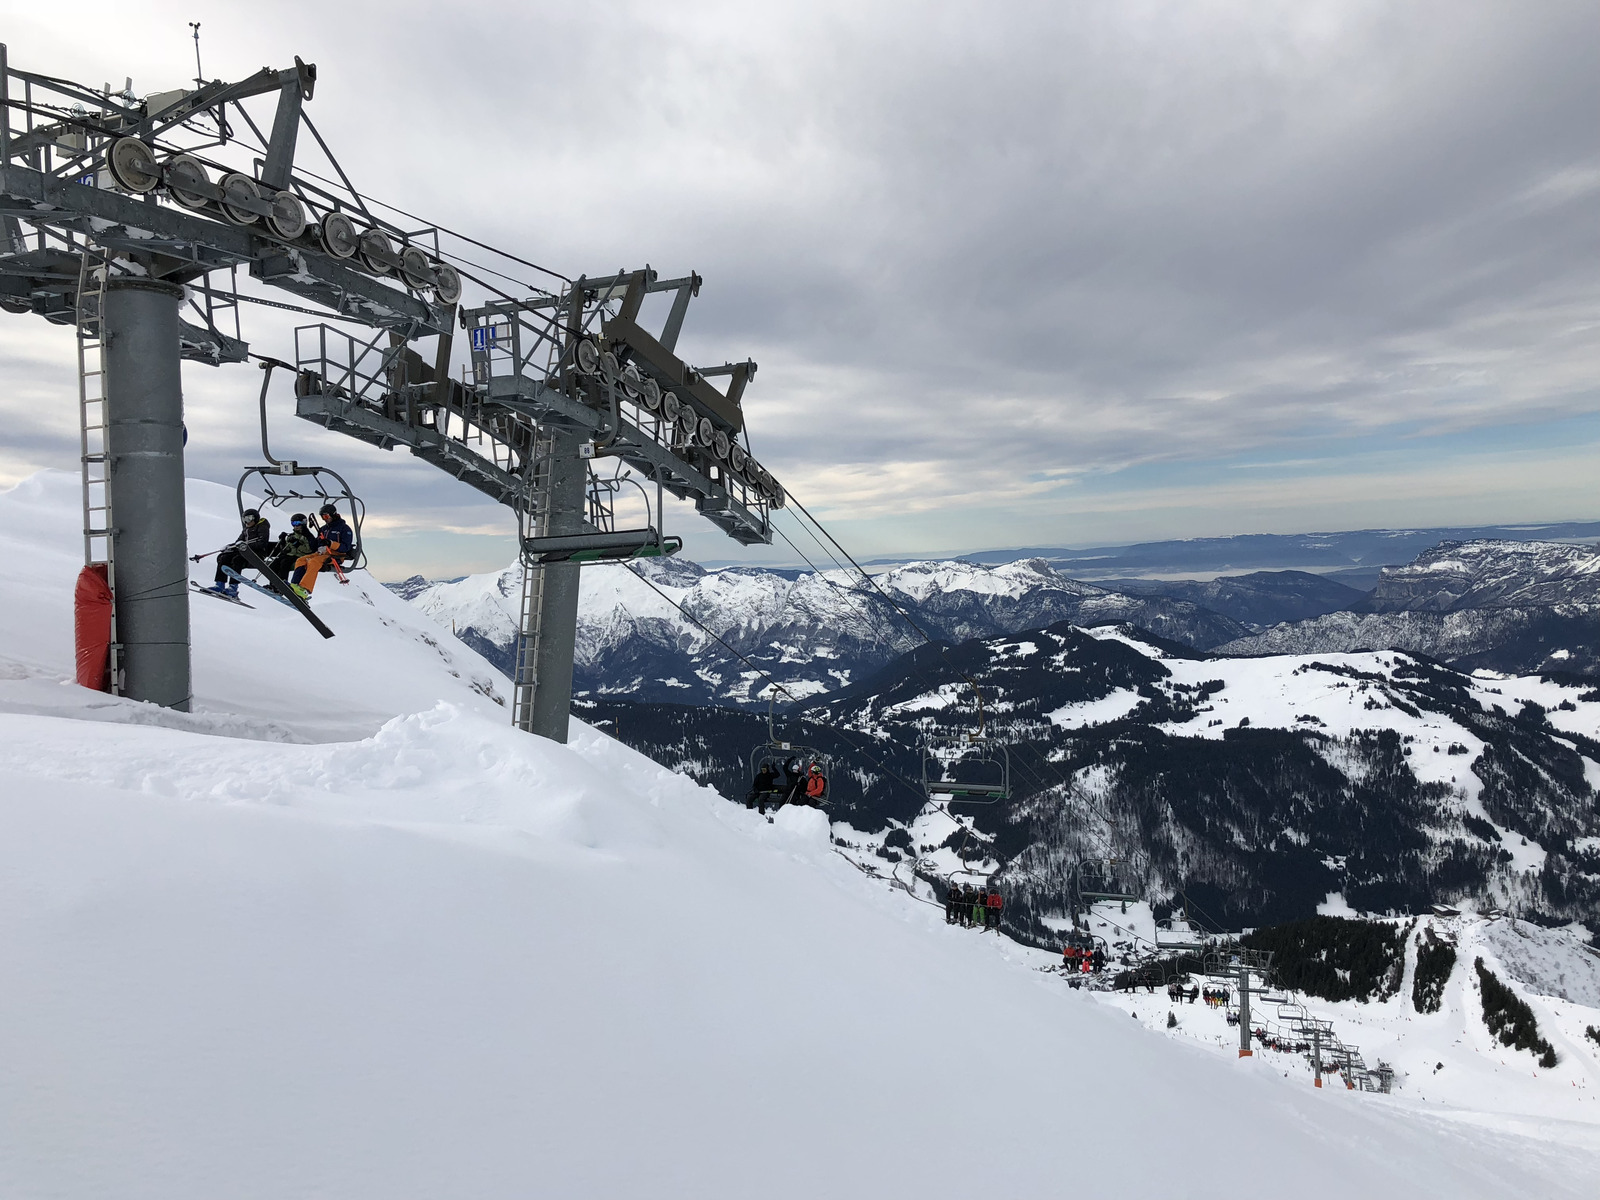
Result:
[1351,556]
[1249,767]
[1505,606]
[1253,790]
[646,630]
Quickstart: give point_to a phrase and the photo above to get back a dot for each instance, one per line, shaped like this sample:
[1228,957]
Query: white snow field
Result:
[343,933]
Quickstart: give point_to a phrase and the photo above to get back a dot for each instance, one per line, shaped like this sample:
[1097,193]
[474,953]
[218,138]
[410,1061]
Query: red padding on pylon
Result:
[91,627]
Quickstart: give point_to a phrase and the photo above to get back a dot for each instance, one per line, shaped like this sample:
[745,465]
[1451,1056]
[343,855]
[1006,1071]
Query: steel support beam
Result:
[558,597]
[1245,1050]
[144,407]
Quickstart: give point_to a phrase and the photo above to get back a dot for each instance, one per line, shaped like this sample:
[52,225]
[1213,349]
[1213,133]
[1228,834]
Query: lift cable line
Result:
[778,687]
[974,749]
[849,594]
[1039,782]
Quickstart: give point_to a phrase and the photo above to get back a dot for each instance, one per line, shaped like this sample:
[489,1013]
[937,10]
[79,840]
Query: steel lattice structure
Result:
[131,219]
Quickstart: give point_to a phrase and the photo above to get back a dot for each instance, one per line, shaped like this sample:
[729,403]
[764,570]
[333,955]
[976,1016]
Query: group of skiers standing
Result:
[792,787]
[297,557]
[968,906]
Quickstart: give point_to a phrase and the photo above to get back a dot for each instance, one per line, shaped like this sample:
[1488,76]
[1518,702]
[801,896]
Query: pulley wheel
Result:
[414,266]
[183,173]
[631,381]
[288,219]
[609,364]
[133,165]
[737,458]
[446,283]
[339,236]
[650,393]
[587,356]
[237,188]
[686,421]
[705,431]
[670,407]
[377,252]
[720,444]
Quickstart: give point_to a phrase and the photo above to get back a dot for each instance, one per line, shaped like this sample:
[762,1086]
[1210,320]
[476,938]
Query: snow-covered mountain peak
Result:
[811,631]
[922,581]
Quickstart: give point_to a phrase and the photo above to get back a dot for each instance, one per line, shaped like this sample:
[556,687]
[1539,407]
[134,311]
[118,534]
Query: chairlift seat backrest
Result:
[996,790]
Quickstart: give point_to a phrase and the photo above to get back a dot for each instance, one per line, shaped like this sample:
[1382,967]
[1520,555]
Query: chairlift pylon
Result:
[279,482]
[778,753]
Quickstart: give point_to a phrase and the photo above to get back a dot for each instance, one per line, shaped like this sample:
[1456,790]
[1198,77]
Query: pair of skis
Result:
[276,588]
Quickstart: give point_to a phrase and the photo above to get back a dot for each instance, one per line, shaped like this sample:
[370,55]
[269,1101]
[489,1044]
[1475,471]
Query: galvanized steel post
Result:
[144,407]
[558,599]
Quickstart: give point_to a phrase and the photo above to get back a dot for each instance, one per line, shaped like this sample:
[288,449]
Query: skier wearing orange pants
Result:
[334,544]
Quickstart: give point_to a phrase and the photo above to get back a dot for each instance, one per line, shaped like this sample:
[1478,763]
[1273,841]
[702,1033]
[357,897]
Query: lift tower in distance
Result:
[130,219]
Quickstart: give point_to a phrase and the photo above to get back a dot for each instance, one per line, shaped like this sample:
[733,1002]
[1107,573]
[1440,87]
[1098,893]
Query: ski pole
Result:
[209,553]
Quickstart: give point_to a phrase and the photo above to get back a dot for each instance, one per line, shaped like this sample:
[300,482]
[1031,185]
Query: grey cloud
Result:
[1017,239]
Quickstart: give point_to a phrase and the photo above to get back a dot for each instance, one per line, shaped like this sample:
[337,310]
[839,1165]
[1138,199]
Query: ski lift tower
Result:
[118,211]
[561,382]
[121,215]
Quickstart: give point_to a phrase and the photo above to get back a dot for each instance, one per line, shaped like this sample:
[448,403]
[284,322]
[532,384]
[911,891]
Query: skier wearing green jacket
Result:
[291,545]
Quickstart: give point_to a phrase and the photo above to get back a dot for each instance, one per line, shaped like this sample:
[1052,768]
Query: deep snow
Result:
[342,932]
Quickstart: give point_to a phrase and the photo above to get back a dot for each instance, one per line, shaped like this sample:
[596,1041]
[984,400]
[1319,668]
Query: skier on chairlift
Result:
[335,544]
[793,782]
[816,786]
[292,546]
[254,532]
[763,788]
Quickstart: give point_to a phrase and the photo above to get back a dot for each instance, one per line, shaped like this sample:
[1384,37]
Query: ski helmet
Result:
[250,514]
[327,510]
[298,519]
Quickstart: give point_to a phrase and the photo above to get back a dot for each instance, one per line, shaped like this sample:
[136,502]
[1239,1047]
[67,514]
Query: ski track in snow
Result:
[343,932]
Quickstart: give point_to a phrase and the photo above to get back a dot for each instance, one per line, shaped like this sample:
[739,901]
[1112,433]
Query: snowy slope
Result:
[384,657]
[440,958]
[1447,1058]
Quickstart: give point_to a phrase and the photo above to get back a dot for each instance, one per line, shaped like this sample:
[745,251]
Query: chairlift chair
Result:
[981,770]
[600,544]
[1097,884]
[282,482]
[777,752]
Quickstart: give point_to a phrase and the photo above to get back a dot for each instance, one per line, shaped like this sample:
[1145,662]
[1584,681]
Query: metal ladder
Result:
[94,266]
[534,522]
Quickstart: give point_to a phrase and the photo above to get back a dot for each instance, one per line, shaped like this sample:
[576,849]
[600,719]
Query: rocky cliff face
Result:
[1457,576]
[1257,600]
[1505,606]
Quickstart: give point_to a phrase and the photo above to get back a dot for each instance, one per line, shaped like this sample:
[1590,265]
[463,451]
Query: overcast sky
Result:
[1015,274]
